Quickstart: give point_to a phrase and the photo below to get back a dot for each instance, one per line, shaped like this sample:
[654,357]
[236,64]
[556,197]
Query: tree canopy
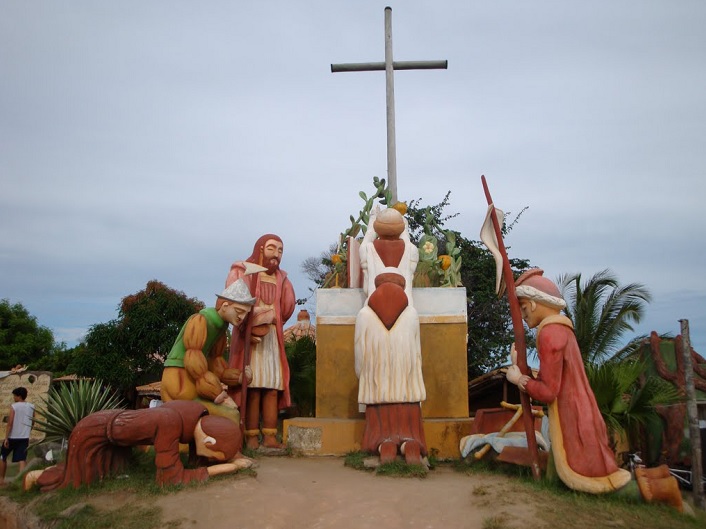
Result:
[490,332]
[131,349]
[22,340]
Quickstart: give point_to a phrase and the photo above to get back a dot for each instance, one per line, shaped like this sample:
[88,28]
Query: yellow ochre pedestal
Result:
[338,426]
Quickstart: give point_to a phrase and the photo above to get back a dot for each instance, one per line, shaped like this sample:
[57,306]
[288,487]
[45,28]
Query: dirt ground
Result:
[321,493]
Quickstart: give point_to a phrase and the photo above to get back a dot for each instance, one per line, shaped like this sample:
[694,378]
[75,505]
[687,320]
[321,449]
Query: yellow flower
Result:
[428,247]
[445,261]
[401,207]
[336,259]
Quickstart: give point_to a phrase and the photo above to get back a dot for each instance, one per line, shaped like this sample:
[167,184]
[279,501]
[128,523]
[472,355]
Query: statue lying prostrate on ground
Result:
[101,444]
[579,441]
[388,352]
[195,368]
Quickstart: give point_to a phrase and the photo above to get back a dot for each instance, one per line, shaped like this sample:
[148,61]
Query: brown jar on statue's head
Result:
[389,224]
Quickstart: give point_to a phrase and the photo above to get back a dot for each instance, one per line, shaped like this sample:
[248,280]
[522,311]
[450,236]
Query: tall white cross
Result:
[389,66]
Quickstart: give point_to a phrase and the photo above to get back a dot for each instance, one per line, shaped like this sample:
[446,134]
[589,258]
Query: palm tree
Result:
[602,311]
[626,399]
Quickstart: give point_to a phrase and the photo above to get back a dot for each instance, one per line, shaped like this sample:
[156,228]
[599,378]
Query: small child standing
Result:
[19,425]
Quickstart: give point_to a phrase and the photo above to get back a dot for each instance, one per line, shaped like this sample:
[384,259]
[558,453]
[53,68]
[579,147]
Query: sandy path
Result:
[321,493]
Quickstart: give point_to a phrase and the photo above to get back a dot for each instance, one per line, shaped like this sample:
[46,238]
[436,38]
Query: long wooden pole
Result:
[693,415]
[247,348]
[520,345]
[390,97]
[390,66]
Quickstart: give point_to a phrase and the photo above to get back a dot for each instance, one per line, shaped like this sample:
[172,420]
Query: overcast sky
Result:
[148,140]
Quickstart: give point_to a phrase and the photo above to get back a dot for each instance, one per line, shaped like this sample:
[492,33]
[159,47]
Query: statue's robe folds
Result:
[583,458]
[101,443]
[283,303]
[389,367]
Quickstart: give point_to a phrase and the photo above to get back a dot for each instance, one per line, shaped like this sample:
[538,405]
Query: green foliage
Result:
[131,349]
[22,340]
[426,228]
[58,361]
[490,332]
[383,194]
[67,404]
[301,356]
[602,311]
[625,402]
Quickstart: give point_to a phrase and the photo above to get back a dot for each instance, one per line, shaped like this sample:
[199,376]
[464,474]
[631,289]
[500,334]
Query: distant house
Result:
[303,327]
[488,390]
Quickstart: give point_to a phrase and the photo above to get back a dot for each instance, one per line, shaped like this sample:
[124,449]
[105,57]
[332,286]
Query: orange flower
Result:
[336,259]
[401,207]
[445,261]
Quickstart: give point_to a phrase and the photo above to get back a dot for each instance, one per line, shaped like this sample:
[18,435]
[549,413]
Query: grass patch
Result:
[480,490]
[400,469]
[495,522]
[556,504]
[356,460]
[395,468]
[136,483]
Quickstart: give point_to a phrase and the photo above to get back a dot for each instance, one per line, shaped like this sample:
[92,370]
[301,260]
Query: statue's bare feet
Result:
[412,452]
[388,452]
[30,479]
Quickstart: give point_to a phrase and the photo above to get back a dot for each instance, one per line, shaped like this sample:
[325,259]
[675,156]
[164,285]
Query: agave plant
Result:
[66,405]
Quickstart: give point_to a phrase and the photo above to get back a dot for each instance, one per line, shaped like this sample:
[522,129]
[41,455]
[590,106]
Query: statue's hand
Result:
[220,399]
[229,403]
[248,374]
[513,354]
[231,376]
[514,374]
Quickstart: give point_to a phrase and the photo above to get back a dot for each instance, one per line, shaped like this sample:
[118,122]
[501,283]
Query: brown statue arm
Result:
[217,364]
[208,386]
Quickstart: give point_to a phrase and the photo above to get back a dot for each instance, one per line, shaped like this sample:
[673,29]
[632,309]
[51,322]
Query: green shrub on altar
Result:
[433,269]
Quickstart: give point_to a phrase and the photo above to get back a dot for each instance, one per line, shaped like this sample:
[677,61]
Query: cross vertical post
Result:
[390,66]
[390,102]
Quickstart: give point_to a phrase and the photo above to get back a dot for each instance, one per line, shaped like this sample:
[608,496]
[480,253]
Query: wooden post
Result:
[390,66]
[390,100]
[693,415]
[518,330]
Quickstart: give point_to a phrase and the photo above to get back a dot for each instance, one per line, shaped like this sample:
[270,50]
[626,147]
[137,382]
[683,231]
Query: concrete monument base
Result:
[338,426]
[336,437]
